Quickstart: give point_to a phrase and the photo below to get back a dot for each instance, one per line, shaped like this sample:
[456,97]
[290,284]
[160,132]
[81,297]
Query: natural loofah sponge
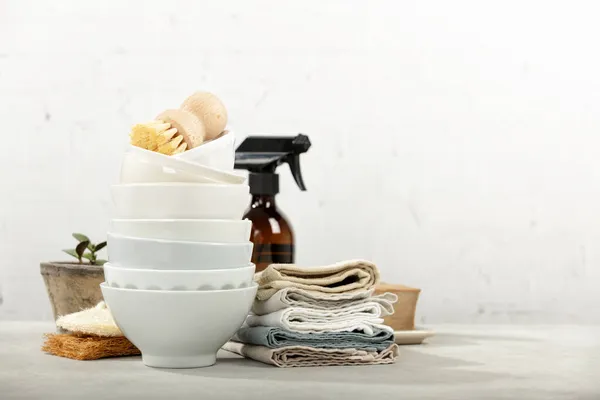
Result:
[210,110]
[187,124]
[88,348]
[93,321]
[93,334]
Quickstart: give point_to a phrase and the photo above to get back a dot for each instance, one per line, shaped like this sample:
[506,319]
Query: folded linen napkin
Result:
[301,356]
[276,337]
[344,277]
[363,318]
[296,297]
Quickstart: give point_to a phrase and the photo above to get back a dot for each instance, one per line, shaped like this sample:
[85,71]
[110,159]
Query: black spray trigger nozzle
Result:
[294,163]
[261,155]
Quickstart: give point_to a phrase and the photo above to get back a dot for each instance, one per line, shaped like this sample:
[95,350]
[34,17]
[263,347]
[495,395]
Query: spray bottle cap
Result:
[261,155]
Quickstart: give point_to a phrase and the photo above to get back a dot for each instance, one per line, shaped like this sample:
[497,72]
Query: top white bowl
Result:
[180,200]
[218,153]
[144,166]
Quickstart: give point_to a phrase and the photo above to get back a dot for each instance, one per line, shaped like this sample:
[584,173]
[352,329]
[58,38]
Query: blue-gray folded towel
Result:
[274,337]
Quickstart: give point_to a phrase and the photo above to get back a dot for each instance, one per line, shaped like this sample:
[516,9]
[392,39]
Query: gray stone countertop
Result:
[461,362]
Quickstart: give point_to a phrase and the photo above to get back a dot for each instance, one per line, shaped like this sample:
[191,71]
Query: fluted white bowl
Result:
[156,279]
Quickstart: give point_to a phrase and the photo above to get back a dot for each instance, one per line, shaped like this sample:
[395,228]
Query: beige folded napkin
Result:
[302,356]
[344,277]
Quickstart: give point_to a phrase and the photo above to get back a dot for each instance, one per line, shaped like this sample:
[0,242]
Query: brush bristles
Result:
[158,136]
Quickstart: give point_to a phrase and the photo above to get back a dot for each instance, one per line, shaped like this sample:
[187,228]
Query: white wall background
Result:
[456,144]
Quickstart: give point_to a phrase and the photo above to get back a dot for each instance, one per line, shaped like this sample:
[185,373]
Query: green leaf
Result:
[100,246]
[72,252]
[100,262]
[81,237]
[91,247]
[89,256]
[80,249]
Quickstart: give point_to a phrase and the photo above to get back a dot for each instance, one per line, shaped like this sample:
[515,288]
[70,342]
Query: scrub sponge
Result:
[92,334]
[93,321]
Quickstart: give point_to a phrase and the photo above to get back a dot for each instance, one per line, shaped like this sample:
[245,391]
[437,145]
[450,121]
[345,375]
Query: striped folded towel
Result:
[302,356]
[272,337]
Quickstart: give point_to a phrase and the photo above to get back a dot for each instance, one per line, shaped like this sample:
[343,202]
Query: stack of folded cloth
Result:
[318,316]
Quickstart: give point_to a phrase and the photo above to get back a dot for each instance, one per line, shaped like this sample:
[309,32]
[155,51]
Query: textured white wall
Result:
[456,143]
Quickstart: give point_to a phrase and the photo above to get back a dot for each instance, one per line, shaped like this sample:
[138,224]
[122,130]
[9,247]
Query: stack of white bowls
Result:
[179,281]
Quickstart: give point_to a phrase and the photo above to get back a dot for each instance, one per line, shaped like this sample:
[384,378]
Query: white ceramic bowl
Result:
[175,329]
[180,200]
[193,230]
[136,253]
[144,166]
[218,153]
[154,279]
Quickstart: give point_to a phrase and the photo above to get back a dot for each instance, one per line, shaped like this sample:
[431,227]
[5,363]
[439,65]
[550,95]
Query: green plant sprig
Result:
[86,249]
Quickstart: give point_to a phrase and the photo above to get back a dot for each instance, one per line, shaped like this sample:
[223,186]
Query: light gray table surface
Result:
[461,362]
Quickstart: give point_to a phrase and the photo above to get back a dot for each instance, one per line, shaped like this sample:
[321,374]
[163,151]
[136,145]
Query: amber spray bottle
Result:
[272,233]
